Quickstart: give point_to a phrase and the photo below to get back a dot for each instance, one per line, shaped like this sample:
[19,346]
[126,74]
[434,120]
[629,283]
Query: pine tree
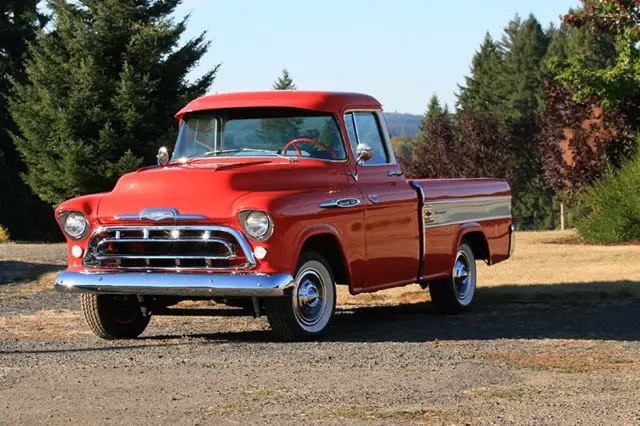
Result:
[103,87]
[435,154]
[506,85]
[569,43]
[525,45]
[21,211]
[284,82]
[483,91]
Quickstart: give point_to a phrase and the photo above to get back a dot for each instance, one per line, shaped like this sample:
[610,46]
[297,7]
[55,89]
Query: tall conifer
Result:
[103,87]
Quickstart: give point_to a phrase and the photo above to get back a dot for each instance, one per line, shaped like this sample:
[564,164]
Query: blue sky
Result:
[400,51]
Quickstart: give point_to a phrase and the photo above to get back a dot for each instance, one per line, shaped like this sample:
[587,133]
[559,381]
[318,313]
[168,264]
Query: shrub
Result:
[4,234]
[614,207]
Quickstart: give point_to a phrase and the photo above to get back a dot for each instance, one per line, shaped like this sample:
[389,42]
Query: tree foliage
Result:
[21,211]
[435,153]
[284,82]
[472,147]
[483,91]
[614,207]
[591,119]
[102,89]
[581,141]
[505,89]
[618,20]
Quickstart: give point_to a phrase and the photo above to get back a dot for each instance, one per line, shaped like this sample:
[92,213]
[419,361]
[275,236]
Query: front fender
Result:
[88,205]
[310,231]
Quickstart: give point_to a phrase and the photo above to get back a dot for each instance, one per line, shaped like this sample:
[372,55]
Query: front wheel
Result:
[307,310]
[455,293]
[114,317]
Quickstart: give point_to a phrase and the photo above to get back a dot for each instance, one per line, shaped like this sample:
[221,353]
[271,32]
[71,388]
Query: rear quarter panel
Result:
[458,207]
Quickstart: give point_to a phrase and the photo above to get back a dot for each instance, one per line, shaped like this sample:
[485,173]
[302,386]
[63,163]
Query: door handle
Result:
[374,198]
[396,172]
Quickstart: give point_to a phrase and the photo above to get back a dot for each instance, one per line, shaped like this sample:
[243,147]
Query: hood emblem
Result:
[160,215]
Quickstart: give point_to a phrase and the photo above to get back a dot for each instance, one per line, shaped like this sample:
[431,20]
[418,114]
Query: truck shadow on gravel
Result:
[610,320]
[592,311]
[12,271]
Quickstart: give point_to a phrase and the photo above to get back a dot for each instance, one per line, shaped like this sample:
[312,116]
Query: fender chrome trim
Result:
[174,284]
[340,203]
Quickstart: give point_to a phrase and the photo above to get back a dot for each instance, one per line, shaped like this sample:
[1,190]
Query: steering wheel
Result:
[294,142]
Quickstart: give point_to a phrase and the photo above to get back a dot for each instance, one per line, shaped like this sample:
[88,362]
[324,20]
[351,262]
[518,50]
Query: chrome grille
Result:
[168,248]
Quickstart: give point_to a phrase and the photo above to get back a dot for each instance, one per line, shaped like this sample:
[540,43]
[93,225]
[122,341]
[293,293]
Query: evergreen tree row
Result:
[543,108]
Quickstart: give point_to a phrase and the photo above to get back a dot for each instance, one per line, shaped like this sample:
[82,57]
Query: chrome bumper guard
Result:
[512,240]
[174,284]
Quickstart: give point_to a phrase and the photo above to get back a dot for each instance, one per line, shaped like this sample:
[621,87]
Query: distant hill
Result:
[403,125]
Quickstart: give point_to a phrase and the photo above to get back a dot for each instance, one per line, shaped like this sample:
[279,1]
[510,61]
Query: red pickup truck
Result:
[268,202]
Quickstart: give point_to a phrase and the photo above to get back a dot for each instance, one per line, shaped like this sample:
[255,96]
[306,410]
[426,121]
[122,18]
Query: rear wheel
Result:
[114,317]
[455,294]
[308,309]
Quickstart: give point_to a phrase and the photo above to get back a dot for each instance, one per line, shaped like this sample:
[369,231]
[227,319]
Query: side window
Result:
[368,131]
[351,131]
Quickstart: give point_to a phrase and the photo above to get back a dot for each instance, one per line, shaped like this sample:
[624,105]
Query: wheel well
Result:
[327,245]
[478,243]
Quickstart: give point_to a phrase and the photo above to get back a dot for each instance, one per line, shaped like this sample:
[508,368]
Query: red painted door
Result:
[392,247]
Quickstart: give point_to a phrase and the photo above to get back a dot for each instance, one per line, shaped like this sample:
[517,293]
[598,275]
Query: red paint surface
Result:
[380,242]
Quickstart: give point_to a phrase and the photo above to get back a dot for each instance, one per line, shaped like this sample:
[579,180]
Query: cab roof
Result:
[336,102]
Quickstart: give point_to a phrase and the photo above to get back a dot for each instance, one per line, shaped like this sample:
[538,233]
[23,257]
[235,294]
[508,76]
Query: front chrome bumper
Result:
[174,284]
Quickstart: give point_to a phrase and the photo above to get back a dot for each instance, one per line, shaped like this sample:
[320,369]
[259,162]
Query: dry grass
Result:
[566,356]
[545,258]
[44,325]
[17,291]
[547,266]
[415,416]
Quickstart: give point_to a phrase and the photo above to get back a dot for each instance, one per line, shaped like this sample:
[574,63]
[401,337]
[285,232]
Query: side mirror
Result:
[364,152]
[163,156]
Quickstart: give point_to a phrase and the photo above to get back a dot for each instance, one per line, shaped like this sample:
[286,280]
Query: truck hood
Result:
[210,189]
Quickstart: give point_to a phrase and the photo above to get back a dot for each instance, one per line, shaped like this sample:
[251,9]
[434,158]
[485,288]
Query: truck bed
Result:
[453,209]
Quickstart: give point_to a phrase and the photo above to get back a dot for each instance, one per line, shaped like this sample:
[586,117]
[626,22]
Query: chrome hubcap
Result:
[461,276]
[308,294]
[309,300]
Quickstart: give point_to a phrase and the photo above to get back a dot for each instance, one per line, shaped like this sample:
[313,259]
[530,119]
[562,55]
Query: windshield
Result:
[271,134]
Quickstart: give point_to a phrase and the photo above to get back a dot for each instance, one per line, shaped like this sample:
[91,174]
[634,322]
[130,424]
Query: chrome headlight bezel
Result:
[78,229]
[250,219]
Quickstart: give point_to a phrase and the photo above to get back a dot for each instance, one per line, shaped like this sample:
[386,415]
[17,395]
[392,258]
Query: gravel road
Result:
[536,363]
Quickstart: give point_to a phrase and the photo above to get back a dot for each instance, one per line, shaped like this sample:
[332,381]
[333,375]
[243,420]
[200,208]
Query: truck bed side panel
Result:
[455,207]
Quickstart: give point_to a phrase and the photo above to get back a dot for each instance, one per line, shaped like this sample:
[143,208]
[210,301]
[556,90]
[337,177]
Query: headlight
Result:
[256,224]
[75,225]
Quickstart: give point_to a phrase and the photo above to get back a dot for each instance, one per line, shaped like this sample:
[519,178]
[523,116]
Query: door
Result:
[392,246]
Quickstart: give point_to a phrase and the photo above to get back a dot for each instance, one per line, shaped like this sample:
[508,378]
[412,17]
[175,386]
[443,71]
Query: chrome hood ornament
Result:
[159,215]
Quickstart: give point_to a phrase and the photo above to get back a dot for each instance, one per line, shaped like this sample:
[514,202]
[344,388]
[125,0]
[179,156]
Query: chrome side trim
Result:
[480,219]
[340,203]
[160,214]
[254,285]
[455,211]
[470,200]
